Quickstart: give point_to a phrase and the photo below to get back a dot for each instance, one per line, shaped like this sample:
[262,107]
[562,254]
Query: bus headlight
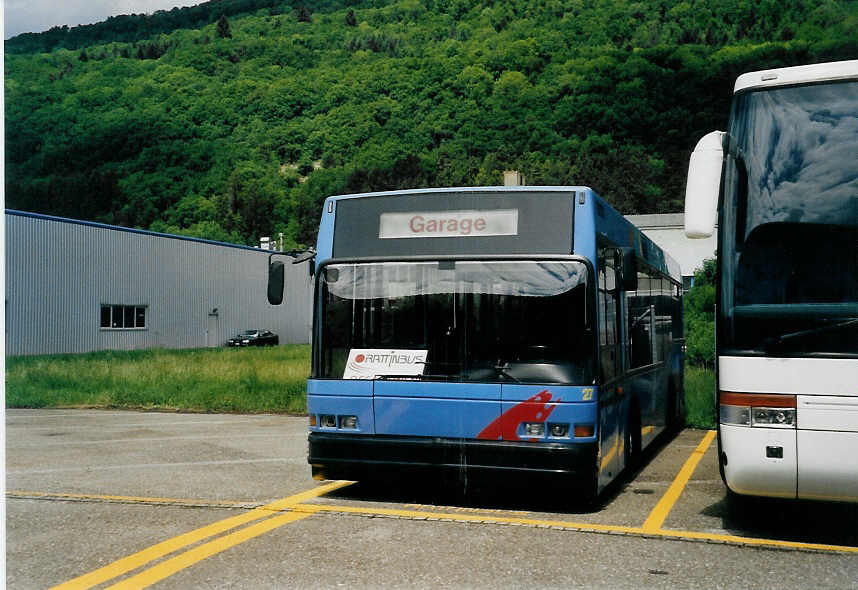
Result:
[534,428]
[327,421]
[348,422]
[754,409]
[558,430]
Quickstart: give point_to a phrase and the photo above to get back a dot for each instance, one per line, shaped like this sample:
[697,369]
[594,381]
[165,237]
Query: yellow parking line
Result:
[188,558]
[141,558]
[577,526]
[467,517]
[126,564]
[126,499]
[659,513]
[776,543]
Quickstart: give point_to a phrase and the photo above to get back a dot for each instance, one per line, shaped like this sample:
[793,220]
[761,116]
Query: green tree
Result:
[700,316]
[234,139]
[303,15]
[223,31]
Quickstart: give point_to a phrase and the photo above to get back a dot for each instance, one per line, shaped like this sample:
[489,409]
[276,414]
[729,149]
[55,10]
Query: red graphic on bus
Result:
[533,409]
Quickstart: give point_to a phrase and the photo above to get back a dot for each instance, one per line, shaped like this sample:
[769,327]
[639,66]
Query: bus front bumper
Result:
[339,456]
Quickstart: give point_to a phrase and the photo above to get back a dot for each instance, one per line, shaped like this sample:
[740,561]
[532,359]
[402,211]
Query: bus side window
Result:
[608,294]
[641,320]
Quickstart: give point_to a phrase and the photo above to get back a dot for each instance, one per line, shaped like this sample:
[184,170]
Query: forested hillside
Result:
[136,27]
[239,126]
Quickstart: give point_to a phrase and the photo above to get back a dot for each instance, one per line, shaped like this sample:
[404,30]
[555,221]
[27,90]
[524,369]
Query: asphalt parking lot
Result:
[131,499]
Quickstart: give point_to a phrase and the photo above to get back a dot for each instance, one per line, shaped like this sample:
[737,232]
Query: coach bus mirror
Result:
[629,269]
[276,276]
[703,186]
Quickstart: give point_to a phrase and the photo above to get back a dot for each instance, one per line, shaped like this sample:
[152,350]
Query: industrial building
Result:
[668,231]
[75,286]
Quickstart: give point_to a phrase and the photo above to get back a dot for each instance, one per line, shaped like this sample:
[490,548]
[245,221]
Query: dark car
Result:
[255,338]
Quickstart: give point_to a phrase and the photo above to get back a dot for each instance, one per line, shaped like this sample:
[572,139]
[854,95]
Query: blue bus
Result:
[512,331]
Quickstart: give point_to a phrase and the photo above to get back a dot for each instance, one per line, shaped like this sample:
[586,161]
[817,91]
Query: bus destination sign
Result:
[369,363]
[449,224]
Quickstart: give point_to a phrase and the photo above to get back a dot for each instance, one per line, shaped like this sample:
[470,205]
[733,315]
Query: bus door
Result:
[612,411]
[643,358]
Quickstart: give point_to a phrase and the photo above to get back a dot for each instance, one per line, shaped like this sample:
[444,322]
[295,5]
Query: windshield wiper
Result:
[412,377]
[501,370]
[776,340]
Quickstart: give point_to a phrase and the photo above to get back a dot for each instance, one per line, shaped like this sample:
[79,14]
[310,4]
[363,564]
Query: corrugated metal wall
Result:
[60,272]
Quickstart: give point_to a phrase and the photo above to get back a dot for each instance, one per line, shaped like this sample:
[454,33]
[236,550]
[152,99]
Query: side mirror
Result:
[304,257]
[704,184]
[276,276]
[628,269]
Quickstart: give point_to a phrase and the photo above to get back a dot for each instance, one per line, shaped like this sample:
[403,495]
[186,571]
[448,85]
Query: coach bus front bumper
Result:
[343,456]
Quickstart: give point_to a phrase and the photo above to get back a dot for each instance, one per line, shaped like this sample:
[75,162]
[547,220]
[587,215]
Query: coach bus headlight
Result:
[348,422]
[754,409]
[773,417]
[327,421]
[534,428]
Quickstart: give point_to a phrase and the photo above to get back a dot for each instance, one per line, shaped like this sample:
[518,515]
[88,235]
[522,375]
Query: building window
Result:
[123,317]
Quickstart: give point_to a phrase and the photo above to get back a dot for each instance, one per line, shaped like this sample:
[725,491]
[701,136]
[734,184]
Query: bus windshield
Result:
[789,257]
[499,321]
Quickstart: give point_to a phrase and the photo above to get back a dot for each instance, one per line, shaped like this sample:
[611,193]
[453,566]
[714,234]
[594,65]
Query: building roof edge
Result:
[144,232]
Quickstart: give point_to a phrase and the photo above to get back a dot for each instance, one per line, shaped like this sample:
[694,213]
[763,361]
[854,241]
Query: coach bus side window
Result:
[607,314]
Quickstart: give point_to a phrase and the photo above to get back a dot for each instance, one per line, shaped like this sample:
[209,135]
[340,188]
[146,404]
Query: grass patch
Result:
[699,397]
[207,380]
[212,380]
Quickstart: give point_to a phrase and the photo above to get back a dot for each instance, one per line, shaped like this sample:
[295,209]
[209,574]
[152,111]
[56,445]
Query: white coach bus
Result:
[782,184]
